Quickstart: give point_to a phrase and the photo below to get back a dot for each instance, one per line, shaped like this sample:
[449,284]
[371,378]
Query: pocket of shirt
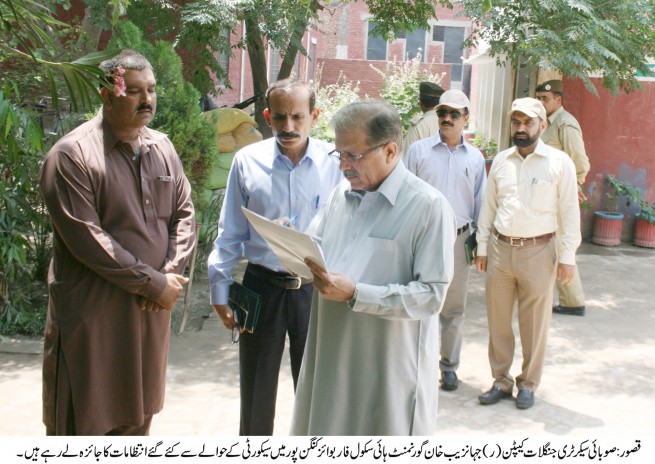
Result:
[544,196]
[163,195]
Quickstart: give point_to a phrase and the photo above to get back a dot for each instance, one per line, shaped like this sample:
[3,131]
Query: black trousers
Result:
[260,353]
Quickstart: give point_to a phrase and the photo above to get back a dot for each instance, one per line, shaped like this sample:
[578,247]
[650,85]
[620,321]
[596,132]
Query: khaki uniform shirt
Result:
[421,127]
[564,133]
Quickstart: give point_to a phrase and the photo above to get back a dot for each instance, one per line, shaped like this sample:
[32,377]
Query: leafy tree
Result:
[26,36]
[21,217]
[400,86]
[198,28]
[32,63]
[577,38]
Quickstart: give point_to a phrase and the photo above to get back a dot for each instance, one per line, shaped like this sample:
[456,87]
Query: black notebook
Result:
[246,305]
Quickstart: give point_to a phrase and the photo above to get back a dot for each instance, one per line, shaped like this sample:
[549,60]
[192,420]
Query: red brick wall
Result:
[355,15]
[617,131]
[369,80]
[347,24]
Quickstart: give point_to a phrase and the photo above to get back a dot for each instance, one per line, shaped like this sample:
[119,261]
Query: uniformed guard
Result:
[426,124]
[564,133]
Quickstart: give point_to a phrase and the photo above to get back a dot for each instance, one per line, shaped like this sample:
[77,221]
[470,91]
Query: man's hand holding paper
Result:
[332,285]
[291,246]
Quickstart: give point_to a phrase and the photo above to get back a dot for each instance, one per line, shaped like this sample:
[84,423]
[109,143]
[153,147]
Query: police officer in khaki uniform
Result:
[564,133]
[427,124]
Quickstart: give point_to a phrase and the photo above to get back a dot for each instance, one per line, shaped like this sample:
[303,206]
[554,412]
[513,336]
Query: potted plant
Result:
[608,225]
[487,146]
[644,231]
[645,226]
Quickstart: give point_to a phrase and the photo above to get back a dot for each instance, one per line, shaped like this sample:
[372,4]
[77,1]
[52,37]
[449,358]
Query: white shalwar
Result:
[374,369]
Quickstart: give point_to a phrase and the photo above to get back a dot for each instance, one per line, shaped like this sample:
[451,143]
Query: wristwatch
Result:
[351,302]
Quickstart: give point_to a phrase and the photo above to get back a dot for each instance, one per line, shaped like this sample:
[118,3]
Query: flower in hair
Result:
[119,82]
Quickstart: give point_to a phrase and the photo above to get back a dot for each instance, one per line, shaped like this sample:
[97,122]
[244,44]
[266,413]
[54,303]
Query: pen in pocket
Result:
[318,197]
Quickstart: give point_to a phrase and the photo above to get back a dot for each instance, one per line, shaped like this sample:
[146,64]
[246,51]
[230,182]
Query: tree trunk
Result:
[257,56]
[299,29]
[92,31]
[292,50]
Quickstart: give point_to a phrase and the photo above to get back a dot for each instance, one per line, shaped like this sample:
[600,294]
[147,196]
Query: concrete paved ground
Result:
[599,378]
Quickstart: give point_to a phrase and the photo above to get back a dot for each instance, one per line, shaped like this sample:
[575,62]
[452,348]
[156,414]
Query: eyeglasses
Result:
[353,159]
[453,113]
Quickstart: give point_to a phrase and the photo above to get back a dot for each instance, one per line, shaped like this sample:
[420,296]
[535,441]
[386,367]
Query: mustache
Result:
[288,134]
[446,123]
[525,134]
[144,106]
[350,173]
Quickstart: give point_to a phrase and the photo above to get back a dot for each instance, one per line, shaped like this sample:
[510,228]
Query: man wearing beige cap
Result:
[564,133]
[456,169]
[531,193]
[426,124]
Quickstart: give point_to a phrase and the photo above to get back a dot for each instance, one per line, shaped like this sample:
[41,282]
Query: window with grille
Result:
[415,41]
[452,38]
[376,47]
[223,59]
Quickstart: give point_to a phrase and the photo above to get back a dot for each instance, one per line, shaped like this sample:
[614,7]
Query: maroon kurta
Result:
[119,226]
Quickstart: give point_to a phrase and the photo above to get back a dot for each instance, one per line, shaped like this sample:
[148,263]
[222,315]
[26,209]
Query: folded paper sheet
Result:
[291,246]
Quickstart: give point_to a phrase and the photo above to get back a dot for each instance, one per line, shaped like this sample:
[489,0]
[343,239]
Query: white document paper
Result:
[291,246]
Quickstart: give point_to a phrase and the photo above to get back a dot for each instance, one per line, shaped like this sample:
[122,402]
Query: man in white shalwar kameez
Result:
[372,354]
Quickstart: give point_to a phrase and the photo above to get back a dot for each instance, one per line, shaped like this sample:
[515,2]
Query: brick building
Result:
[343,44]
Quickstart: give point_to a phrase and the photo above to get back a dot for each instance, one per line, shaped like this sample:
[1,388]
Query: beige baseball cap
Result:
[454,98]
[530,106]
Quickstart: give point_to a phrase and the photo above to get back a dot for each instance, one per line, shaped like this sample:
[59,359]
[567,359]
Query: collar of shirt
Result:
[389,188]
[110,140]
[439,142]
[539,150]
[310,152]
[555,114]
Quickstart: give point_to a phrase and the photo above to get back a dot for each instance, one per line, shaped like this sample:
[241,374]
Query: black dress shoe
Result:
[577,311]
[525,399]
[493,396]
[449,381]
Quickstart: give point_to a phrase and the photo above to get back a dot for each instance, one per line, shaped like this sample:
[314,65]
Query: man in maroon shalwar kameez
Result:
[124,228]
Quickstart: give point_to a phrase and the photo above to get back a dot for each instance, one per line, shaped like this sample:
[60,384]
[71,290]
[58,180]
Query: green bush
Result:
[178,111]
[24,227]
[400,82]
[329,99]
[619,188]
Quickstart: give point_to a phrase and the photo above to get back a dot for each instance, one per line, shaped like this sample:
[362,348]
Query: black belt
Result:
[276,279]
[463,229]
[523,241]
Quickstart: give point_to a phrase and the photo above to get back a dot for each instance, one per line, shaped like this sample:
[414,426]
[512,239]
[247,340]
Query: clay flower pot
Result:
[644,233]
[607,228]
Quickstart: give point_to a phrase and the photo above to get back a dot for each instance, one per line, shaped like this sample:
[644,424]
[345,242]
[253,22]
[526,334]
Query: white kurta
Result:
[374,370]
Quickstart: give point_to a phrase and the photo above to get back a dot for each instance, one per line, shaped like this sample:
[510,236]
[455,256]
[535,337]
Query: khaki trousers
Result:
[451,318]
[571,295]
[525,275]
